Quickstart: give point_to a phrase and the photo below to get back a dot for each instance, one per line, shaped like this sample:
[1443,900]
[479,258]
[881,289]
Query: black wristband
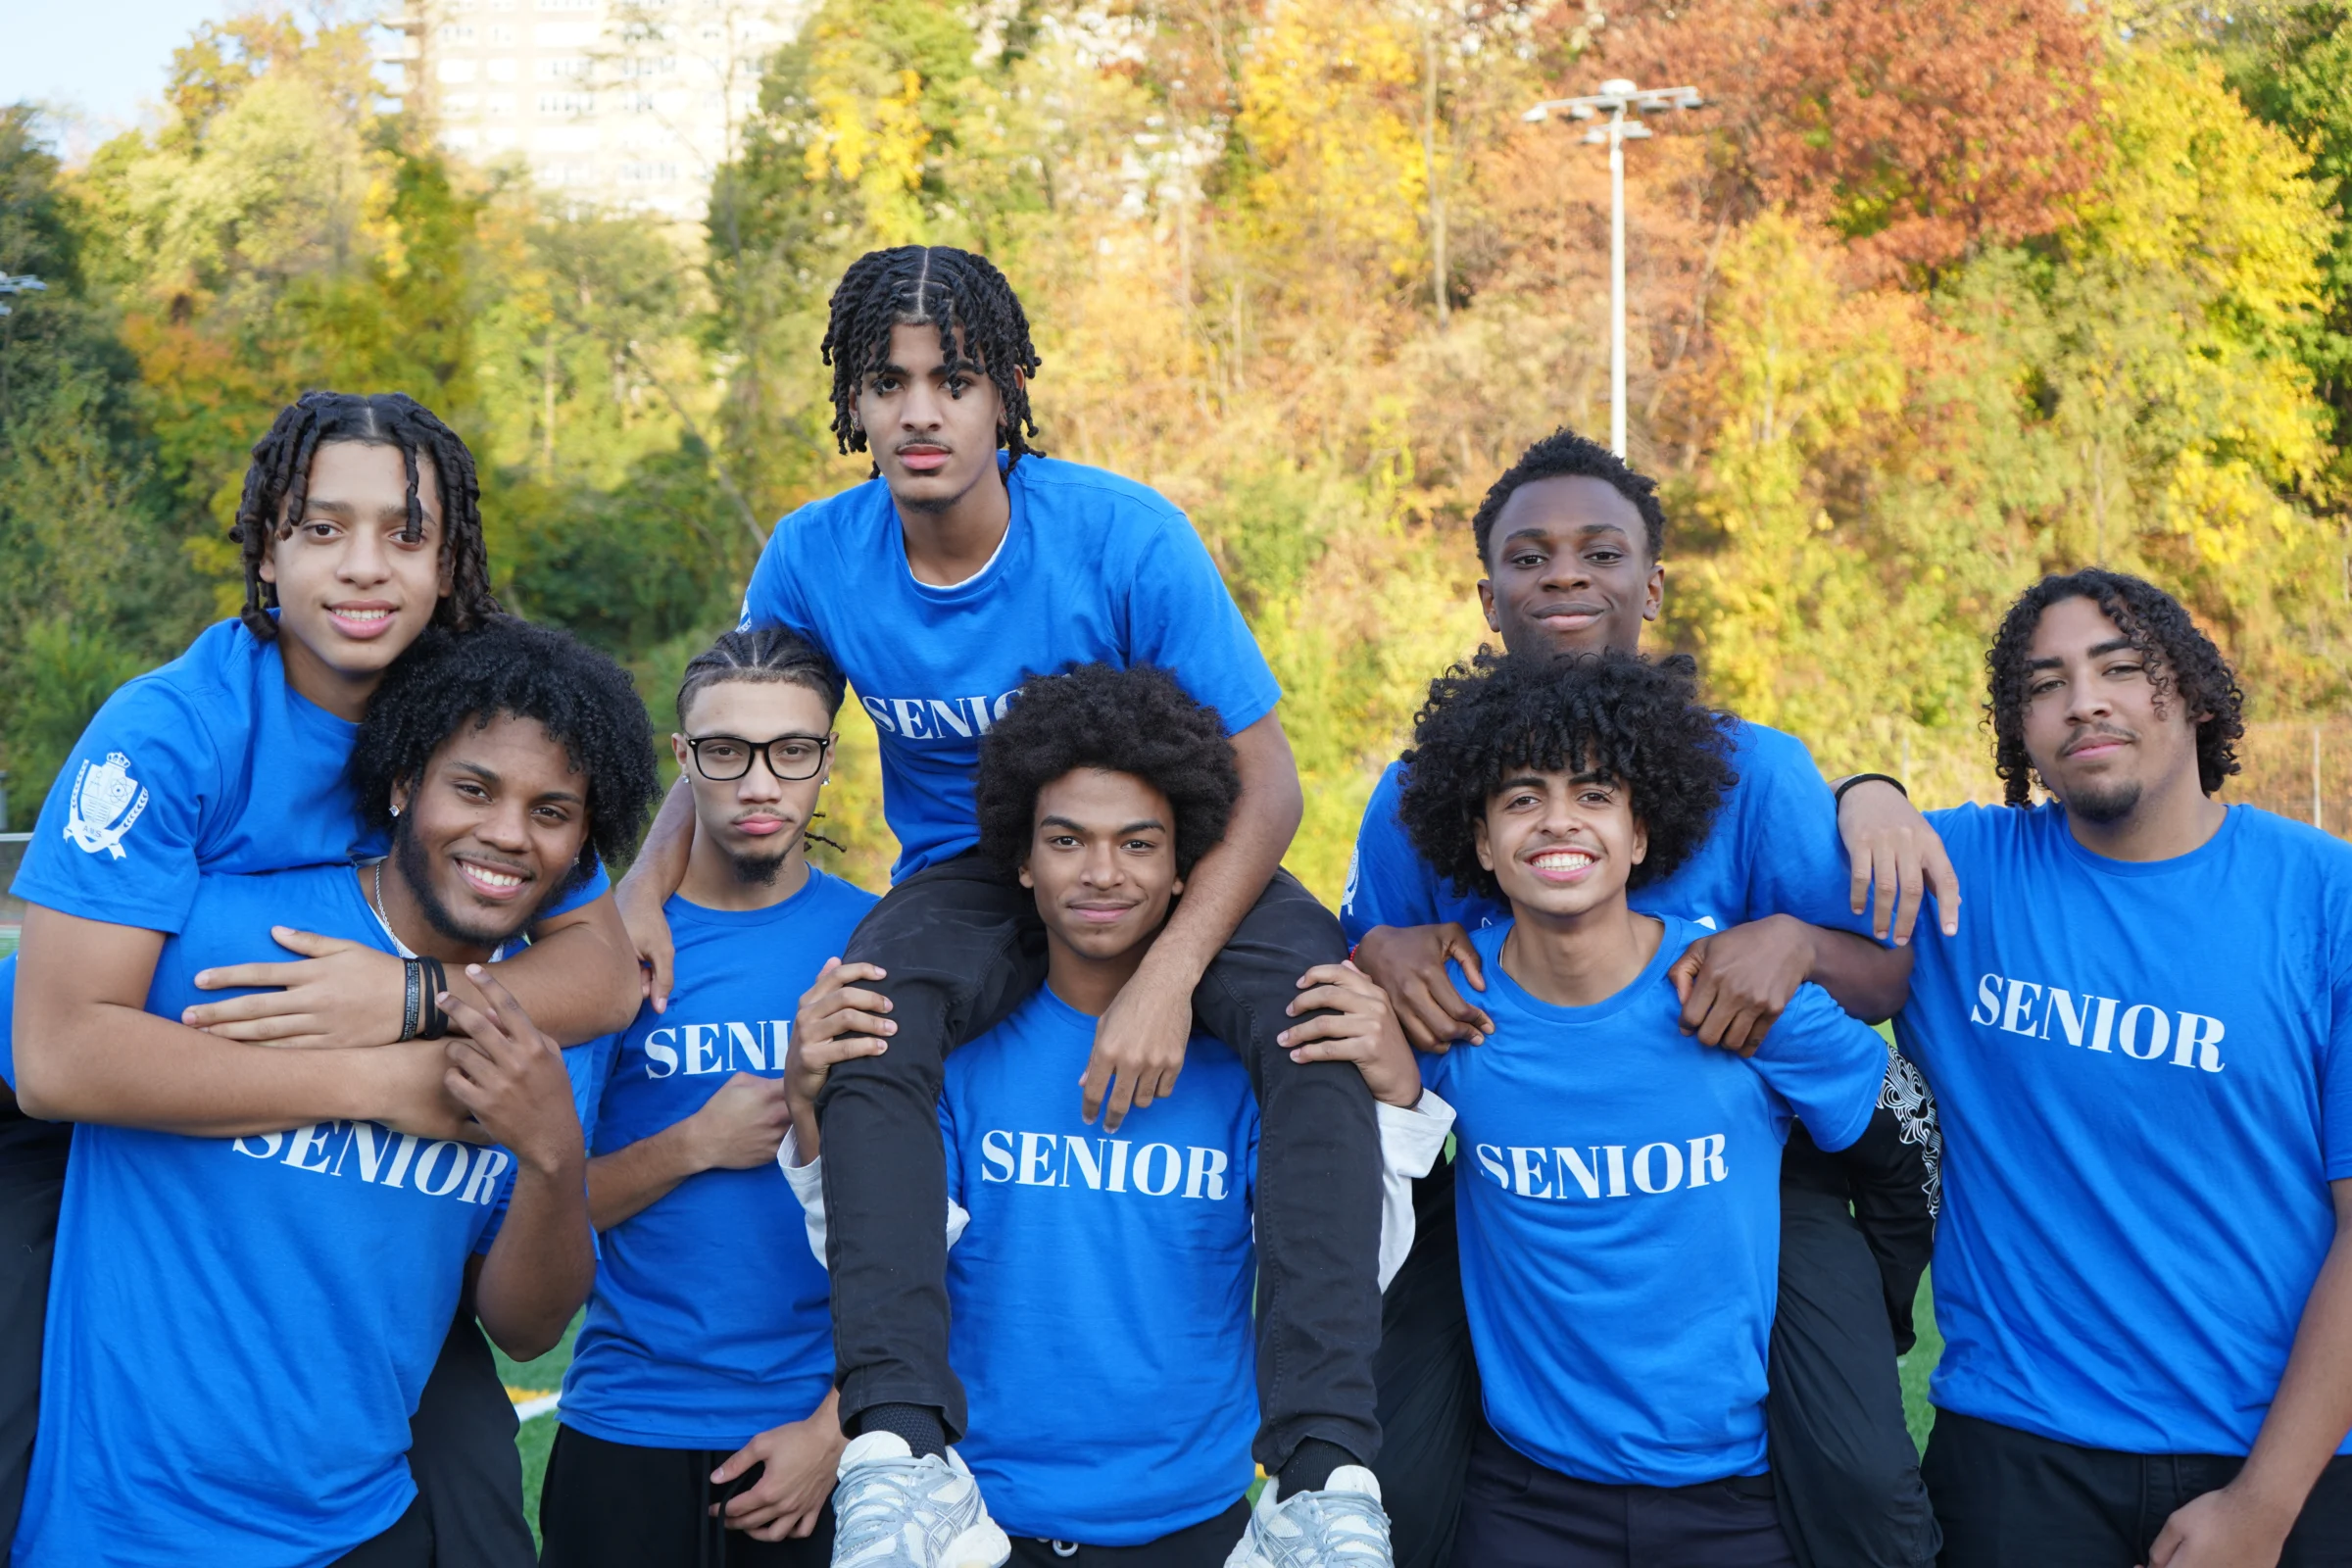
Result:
[412,1015]
[1845,784]
[436,981]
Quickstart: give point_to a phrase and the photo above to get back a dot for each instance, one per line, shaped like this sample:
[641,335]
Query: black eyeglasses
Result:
[724,759]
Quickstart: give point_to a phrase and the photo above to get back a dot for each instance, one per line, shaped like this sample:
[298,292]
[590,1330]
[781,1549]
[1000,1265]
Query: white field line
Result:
[533,1409]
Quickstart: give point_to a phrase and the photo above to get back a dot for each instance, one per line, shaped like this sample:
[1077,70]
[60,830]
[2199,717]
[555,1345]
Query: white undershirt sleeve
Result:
[808,1185]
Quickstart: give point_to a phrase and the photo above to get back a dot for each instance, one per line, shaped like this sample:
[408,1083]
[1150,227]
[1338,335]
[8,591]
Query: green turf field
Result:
[546,1373]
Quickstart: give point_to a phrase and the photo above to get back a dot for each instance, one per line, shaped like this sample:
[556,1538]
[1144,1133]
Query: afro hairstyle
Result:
[1564,453]
[1626,717]
[449,680]
[2182,661]
[1135,720]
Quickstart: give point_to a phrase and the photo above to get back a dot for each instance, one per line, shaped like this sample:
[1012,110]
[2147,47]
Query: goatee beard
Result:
[2106,805]
[758,871]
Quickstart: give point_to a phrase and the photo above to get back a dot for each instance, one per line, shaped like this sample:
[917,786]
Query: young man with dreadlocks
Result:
[244,1311]
[1098,792]
[2144,1064]
[361,526]
[966,563]
[1618,1184]
[1572,540]
[699,1427]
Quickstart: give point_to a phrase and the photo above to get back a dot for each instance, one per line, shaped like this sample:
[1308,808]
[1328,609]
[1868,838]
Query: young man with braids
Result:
[699,1426]
[244,1310]
[1617,1182]
[965,563]
[1099,792]
[2144,1065]
[1572,544]
[361,526]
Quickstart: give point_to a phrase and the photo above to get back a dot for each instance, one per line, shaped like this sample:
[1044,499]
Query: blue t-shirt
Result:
[238,1329]
[711,1320]
[2145,1070]
[1619,1191]
[1093,568]
[1101,1294]
[1773,850]
[210,763]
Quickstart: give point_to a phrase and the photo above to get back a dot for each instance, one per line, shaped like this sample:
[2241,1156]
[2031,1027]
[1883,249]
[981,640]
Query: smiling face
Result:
[932,427]
[755,821]
[1559,844]
[1103,861]
[1569,569]
[490,833]
[2097,729]
[353,591]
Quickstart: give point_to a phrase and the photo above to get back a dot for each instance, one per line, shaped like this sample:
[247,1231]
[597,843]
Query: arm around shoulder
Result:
[579,978]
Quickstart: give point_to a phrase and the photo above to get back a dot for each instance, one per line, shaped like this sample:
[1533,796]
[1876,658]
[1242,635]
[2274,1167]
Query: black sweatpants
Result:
[962,945]
[1518,1514]
[617,1505]
[409,1543]
[1205,1544]
[33,1181]
[1843,1464]
[2011,1500]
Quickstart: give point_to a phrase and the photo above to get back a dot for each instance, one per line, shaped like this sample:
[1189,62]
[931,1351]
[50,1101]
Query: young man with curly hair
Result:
[2145,1271]
[698,1418]
[359,526]
[1572,540]
[1111,1393]
[1618,1186]
[243,1310]
[965,563]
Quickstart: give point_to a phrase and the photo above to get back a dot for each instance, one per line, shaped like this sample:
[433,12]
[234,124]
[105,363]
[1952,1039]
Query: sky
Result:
[100,61]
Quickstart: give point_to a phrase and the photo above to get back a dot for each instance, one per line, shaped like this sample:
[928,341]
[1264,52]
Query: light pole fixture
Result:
[1614,99]
[22,283]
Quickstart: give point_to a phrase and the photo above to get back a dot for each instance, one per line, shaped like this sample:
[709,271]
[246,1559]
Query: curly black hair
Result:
[769,653]
[2180,660]
[1566,454]
[1621,715]
[981,328]
[508,667]
[279,481]
[1135,720]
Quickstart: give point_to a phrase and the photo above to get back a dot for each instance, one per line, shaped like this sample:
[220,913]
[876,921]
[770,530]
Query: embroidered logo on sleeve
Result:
[106,801]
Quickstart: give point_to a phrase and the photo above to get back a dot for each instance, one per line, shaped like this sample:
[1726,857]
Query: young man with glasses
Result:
[699,1421]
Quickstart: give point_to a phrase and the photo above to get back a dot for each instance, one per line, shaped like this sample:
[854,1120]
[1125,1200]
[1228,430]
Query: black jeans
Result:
[1843,1464]
[33,1181]
[1518,1514]
[2011,1500]
[1205,1544]
[962,945]
[618,1506]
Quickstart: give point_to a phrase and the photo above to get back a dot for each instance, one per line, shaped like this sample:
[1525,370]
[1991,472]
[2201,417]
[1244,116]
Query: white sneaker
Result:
[1342,1526]
[892,1510]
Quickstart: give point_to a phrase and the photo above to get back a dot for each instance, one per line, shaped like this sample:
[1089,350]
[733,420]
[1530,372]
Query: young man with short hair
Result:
[359,526]
[698,1424]
[1572,543]
[2144,1271]
[1111,1393]
[965,563]
[1618,1183]
[243,1314]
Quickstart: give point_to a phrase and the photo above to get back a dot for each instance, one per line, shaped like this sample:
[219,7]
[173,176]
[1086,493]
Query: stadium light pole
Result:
[1615,99]
[22,283]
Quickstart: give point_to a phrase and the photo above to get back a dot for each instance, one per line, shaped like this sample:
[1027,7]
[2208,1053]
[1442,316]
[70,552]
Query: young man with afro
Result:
[1618,1183]
[359,526]
[1112,1400]
[243,1310]
[2144,1271]
[965,563]
[1572,544]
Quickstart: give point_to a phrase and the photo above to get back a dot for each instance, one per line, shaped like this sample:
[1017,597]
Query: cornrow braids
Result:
[277,485]
[767,653]
[2182,665]
[981,328]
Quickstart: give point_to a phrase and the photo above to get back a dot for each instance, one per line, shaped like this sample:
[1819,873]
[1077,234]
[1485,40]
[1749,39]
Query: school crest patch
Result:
[106,801]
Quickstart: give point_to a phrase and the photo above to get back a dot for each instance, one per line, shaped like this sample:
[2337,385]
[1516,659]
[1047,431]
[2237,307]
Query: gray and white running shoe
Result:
[1342,1526]
[892,1510]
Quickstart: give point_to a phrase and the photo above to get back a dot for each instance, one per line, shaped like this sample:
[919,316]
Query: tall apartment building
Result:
[622,103]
